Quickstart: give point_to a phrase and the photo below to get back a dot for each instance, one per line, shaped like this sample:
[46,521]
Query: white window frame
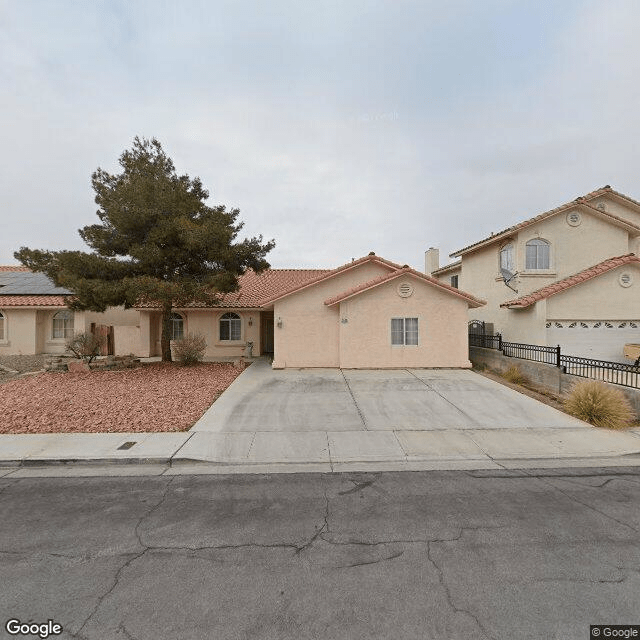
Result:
[177,320]
[3,327]
[405,331]
[538,243]
[66,328]
[234,327]
[507,249]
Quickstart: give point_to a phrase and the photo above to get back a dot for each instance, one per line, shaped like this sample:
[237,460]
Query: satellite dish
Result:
[507,277]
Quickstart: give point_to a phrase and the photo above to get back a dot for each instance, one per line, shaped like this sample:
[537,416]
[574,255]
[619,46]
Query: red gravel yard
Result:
[154,397]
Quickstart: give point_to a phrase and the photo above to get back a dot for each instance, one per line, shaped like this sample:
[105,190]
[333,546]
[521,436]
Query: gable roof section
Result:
[372,257]
[254,288]
[404,271]
[566,283]
[581,201]
[449,267]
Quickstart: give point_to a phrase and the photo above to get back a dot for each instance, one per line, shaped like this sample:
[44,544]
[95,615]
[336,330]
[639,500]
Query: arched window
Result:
[537,256]
[3,329]
[63,324]
[230,326]
[177,326]
[506,257]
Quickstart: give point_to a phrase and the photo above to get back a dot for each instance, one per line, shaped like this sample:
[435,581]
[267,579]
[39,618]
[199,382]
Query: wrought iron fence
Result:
[627,375]
[486,341]
[537,353]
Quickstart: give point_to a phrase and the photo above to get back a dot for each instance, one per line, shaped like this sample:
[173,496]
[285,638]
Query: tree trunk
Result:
[165,339]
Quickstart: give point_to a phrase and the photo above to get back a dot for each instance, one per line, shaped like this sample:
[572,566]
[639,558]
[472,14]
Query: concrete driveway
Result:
[393,419]
[304,400]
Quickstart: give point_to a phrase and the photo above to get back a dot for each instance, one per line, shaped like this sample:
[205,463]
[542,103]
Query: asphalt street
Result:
[396,555]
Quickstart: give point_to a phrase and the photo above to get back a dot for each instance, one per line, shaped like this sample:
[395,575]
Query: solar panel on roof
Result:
[27,283]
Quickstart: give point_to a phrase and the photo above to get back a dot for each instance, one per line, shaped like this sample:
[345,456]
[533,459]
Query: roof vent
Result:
[625,280]
[574,218]
[405,289]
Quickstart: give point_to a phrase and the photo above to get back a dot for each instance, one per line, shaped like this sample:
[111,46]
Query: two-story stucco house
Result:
[569,276]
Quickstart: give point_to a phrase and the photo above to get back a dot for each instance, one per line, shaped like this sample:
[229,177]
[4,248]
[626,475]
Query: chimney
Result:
[431,260]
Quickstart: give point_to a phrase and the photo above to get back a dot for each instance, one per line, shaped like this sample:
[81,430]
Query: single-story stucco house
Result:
[35,319]
[368,313]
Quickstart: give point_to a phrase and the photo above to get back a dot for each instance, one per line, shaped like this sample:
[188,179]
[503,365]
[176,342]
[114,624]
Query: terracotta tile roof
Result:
[581,201]
[571,281]
[32,301]
[256,288]
[453,265]
[372,257]
[406,270]
[12,268]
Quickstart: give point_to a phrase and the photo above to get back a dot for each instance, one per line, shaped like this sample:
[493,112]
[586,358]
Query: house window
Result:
[63,324]
[506,258]
[454,281]
[2,326]
[177,326]
[230,326]
[537,256]
[404,331]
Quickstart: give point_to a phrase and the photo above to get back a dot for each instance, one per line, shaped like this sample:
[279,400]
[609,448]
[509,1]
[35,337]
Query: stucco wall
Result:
[572,250]
[625,211]
[309,335]
[116,316]
[126,340]
[205,322]
[19,332]
[30,331]
[602,298]
[365,328]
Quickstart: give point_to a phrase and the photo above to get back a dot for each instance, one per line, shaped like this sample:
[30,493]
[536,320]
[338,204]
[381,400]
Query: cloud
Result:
[337,128]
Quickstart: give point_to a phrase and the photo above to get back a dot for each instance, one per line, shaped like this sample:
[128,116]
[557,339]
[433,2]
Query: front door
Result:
[266,331]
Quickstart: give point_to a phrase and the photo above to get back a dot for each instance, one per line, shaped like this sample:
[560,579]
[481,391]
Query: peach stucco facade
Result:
[588,287]
[306,331]
[365,334]
[304,318]
[206,323]
[314,329]
[29,330]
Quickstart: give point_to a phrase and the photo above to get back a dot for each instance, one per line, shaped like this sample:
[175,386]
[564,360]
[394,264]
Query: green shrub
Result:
[513,374]
[190,349]
[85,345]
[599,404]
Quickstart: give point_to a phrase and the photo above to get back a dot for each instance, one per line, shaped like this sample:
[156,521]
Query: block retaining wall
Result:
[544,375]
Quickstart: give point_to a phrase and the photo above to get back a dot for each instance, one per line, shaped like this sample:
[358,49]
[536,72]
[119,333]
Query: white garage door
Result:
[601,339]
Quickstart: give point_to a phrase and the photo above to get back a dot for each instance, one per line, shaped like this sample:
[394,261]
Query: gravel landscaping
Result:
[154,397]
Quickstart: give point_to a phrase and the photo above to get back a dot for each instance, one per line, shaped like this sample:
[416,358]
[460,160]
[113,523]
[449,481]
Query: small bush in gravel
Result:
[85,345]
[514,375]
[599,404]
[190,349]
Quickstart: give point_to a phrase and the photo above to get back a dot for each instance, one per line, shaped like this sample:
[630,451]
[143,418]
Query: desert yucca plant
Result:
[190,349]
[599,404]
[513,374]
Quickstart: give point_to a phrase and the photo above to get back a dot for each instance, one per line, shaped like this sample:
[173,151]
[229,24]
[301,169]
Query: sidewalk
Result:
[323,451]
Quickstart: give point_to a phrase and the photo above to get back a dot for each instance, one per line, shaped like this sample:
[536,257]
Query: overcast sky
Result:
[337,128]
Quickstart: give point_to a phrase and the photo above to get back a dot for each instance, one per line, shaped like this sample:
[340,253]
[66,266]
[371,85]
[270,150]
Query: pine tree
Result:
[157,241]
